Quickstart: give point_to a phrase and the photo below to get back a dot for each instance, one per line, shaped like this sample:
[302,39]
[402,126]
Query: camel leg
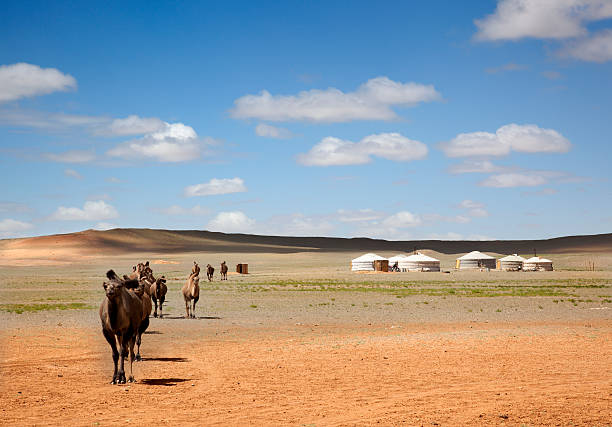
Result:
[110,337]
[187,316]
[155,312]
[124,353]
[143,327]
[195,300]
[161,308]
[131,377]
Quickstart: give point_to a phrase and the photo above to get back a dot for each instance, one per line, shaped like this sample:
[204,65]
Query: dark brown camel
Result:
[223,271]
[209,272]
[195,270]
[191,293]
[121,314]
[158,293]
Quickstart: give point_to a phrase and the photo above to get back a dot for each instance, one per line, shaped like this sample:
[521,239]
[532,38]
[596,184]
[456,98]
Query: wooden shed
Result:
[381,265]
[242,268]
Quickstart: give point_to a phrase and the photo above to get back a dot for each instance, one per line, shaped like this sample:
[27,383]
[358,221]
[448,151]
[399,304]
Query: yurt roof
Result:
[368,257]
[421,257]
[476,255]
[398,258]
[538,259]
[513,257]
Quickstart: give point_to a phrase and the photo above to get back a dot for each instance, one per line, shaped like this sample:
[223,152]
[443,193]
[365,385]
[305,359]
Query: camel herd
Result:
[125,310]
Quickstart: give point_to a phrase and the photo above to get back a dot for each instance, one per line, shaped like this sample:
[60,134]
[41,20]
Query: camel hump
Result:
[112,275]
[132,283]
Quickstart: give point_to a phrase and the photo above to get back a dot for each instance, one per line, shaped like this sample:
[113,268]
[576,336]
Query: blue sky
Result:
[397,120]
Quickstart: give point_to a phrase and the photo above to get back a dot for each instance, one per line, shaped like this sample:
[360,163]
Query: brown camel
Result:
[223,271]
[191,293]
[209,272]
[195,270]
[121,314]
[158,293]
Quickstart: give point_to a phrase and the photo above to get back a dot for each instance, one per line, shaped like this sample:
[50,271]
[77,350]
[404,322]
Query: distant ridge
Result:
[126,240]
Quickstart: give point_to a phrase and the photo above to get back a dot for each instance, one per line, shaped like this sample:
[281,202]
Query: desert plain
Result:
[302,340]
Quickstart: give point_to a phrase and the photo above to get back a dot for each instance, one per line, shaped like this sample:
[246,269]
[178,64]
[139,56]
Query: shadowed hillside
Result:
[91,242]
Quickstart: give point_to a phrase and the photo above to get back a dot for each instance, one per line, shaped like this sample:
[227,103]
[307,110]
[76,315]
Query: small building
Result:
[366,262]
[419,262]
[396,259]
[538,264]
[512,262]
[475,260]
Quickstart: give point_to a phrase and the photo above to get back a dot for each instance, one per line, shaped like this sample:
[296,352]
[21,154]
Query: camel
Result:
[143,292]
[223,271]
[121,315]
[191,292]
[209,272]
[158,293]
[195,270]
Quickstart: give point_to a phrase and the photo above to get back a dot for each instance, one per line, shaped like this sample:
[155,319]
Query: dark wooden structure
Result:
[242,268]
[381,265]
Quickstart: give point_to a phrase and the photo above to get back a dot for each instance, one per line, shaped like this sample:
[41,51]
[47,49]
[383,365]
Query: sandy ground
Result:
[277,347]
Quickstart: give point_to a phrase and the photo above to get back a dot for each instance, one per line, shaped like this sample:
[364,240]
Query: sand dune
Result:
[91,243]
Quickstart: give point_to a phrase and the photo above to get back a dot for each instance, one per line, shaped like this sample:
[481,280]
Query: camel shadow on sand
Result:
[197,317]
[167,382]
[165,359]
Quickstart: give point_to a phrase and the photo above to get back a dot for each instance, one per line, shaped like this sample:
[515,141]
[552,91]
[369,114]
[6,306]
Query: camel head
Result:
[113,286]
[196,280]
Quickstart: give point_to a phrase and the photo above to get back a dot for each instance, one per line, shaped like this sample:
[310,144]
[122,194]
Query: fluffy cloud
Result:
[402,219]
[512,137]
[26,80]
[216,186]
[73,174]
[597,48]
[371,101]
[542,19]
[12,228]
[270,131]
[231,222]
[133,125]
[335,152]
[174,142]
[72,156]
[297,225]
[508,180]
[477,166]
[92,211]
[102,226]
[473,208]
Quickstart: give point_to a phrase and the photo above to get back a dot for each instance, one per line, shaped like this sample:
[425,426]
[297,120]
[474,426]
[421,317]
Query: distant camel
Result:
[223,271]
[191,292]
[209,272]
[121,314]
[195,270]
[158,293]
[143,292]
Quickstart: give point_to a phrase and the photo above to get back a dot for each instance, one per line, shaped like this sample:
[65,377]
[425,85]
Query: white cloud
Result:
[26,80]
[13,228]
[371,101]
[596,48]
[134,125]
[175,142]
[297,224]
[176,210]
[73,174]
[92,211]
[361,215]
[102,226]
[477,166]
[542,19]
[270,131]
[336,152]
[512,137]
[231,222]
[402,219]
[508,180]
[475,209]
[72,156]
[216,186]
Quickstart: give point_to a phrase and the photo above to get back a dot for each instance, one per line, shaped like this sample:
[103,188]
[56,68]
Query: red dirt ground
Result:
[454,374]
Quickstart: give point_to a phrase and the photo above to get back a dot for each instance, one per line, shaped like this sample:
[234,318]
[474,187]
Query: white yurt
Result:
[538,264]
[365,262]
[419,262]
[512,262]
[397,259]
[475,260]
